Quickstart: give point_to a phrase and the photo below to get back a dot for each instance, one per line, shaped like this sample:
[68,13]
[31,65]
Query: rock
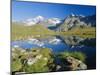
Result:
[75,64]
[31,61]
[82,66]
[58,67]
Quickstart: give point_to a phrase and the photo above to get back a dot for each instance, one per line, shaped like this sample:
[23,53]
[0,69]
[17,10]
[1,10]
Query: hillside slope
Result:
[21,31]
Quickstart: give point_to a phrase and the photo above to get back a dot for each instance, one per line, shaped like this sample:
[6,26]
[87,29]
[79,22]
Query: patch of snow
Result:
[72,15]
[54,21]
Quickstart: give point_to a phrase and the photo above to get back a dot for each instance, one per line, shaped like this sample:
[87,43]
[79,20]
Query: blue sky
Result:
[25,10]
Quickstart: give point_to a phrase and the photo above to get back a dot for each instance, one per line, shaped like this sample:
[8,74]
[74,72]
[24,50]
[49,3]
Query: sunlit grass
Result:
[24,32]
[21,32]
[76,54]
[18,63]
[87,32]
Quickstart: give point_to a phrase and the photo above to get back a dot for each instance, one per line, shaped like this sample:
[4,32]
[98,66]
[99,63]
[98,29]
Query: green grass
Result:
[78,55]
[86,32]
[24,32]
[16,65]
[20,32]
[41,65]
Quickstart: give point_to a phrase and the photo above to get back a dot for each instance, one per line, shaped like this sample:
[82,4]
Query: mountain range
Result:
[41,20]
[71,21]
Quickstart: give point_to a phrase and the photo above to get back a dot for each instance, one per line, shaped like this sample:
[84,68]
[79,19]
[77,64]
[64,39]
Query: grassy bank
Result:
[87,32]
[21,32]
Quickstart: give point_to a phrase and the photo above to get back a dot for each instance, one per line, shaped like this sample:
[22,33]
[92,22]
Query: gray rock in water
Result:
[75,64]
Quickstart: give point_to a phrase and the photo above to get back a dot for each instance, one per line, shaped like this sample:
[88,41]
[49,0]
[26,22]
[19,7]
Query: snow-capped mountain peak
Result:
[72,15]
[42,20]
[54,21]
[33,21]
[81,15]
[39,18]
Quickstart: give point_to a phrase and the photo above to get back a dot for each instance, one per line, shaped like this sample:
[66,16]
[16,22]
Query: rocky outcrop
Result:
[73,21]
[75,64]
[71,64]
